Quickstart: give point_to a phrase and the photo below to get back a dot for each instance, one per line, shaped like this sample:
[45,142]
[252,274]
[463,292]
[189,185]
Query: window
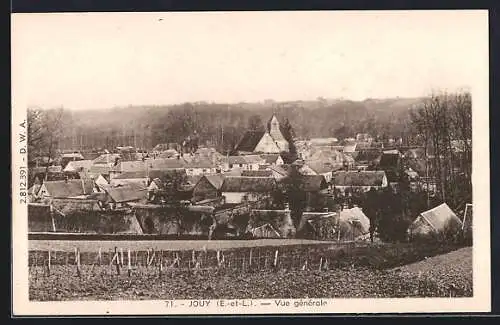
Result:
[204,170]
[230,165]
[241,165]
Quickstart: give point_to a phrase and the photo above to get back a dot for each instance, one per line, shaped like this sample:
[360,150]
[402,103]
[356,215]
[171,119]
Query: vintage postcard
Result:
[250,163]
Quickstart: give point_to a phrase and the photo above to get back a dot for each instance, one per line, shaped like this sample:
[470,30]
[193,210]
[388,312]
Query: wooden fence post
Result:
[150,261]
[320,263]
[77,256]
[121,255]
[48,265]
[275,258]
[250,259]
[129,262]
[117,263]
[99,257]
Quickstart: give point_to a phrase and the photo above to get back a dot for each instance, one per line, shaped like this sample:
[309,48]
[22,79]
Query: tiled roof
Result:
[248,184]
[69,188]
[249,141]
[126,193]
[358,178]
[257,173]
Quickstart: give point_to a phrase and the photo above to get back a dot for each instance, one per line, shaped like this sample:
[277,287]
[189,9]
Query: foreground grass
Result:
[440,276]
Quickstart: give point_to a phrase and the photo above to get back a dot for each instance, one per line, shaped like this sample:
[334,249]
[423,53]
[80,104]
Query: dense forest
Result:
[222,125]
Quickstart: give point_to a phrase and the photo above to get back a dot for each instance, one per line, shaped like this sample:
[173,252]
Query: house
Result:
[435,221]
[257,173]
[319,167]
[364,180]
[166,164]
[70,188]
[271,140]
[78,166]
[99,180]
[280,171]
[135,177]
[65,158]
[170,153]
[109,159]
[208,187]
[237,189]
[272,159]
[245,162]
[201,166]
[368,157]
[119,195]
[311,186]
[100,169]
[349,148]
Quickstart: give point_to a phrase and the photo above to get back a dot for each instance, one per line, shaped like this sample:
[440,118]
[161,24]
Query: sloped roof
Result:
[90,155]
[414,153]
[368,155]
[193,179]
[215,180]
[200,162]
[168,153]
[166,174]
[439,216]
[132,175]
[257,173]
[417,165]
[389,160]
[350,147]
[245,159]
[169,163]
[324,154]
[67,205]
[107,158]
[235,160]
[363,145]
[358,178]
[312,183]
[103,169]
[69,188]
[270,158]
[130,166]
[233,172]
[72,155]
[248,184]
[321,166]
[249,141]
[126,193]
[281,169]
[77,165]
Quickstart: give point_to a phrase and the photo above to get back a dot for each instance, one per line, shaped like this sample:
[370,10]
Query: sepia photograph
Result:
[250,162]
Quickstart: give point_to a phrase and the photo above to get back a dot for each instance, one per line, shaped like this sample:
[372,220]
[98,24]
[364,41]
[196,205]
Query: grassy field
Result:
[366,271]
[166,245]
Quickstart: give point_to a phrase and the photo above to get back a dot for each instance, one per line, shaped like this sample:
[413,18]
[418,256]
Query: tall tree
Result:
[255,123]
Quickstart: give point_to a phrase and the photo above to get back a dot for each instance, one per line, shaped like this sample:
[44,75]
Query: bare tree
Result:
[44,132]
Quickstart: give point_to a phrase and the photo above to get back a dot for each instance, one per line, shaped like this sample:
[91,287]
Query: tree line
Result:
[222,125]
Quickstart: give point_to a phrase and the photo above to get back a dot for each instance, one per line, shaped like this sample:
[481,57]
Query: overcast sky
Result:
[101,60]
